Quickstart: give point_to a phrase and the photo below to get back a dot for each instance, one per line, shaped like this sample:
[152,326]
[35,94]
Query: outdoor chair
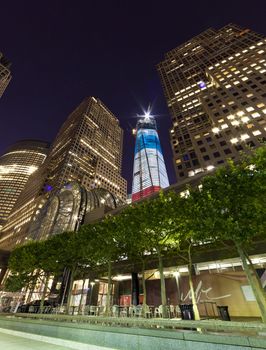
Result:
[93,310]
[131,311]
[123,312]
[158,311]
[147,312]
[101,310]
[172,311]
[115,310]
[86,310]
[138,311]
[177,311]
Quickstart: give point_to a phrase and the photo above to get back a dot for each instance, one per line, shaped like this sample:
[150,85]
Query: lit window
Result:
[215,130]
[245,119]
[224,126]
[261,51]
[264,111]
[256,133]
[255,115]
[263,71]
[244,137]
[230,117]
[234,140]
[260,43]
[210,167]
[240,113]
[228,86]
[260,105]
[245,78]
[250,109]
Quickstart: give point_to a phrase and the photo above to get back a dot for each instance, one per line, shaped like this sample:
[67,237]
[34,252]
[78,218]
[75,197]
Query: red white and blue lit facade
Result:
[149,173]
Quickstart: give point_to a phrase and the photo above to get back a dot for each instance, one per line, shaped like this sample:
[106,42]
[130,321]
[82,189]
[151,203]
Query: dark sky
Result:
[63,51]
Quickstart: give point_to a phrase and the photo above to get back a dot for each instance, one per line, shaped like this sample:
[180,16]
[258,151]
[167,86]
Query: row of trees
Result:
[227,208]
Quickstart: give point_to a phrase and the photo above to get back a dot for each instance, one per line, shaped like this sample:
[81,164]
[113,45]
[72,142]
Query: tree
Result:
[154,221]
[107,248]
[75,254]
[134,241]
[23,264]
[232,208]
[185,235]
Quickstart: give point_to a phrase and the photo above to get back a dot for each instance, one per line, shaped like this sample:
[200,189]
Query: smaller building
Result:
[16,165]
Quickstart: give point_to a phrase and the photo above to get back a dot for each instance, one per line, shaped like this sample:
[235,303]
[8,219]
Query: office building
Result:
[149,173]
[16,165]
[5,74]
[87,150]
[215,87]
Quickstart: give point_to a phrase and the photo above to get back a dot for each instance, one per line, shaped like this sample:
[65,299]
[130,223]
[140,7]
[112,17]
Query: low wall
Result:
[133,338]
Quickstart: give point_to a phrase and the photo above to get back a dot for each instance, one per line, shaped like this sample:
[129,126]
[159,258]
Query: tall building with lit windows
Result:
[149,172]
[5,74]
[16,165]
[215,87]
[88,151]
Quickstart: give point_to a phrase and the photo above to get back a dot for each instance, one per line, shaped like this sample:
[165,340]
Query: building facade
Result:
[5,73]
[215,87]
[149,172]
[16,165]
[87,150]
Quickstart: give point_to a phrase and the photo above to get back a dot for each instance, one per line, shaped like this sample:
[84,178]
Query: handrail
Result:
[207,325]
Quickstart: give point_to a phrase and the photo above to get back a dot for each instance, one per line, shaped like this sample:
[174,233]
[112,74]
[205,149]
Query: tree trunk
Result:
[191,286]
[253,281]
[108,301]
[81,298]
[44,292]
[144,284]
[163,292]
[32,285]
[71,281]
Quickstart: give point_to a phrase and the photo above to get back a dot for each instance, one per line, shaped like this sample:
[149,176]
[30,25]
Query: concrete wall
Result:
[134,338]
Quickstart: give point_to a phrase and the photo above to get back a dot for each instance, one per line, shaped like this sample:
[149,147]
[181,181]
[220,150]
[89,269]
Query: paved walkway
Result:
[15,340]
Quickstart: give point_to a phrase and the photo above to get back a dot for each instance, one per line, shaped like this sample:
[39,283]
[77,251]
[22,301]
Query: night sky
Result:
[63,51]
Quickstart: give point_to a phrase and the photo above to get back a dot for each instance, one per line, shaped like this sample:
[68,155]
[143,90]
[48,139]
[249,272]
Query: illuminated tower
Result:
[149,173]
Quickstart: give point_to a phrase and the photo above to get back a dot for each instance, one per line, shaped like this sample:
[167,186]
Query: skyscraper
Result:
[16,165]
[86,150]
[215,87]
[149,173]
[5,74]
